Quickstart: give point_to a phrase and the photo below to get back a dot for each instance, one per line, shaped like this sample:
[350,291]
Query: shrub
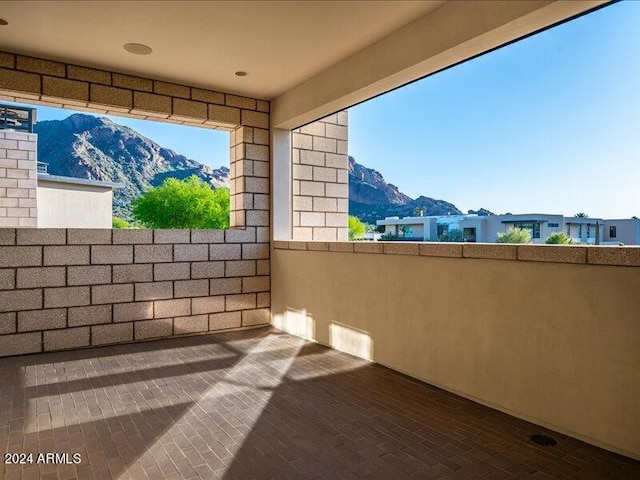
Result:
[559,238]
[118,222]
[514,235]
[188,203]
[388,237]
[356,227]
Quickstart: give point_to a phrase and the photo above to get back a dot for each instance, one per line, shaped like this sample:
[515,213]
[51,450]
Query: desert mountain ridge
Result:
[97,148]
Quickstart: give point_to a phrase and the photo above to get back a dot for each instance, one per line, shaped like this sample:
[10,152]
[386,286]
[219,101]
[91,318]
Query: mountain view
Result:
[371,198]
[96,148]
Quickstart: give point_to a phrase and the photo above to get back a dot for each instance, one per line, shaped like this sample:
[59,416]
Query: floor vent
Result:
[544,440]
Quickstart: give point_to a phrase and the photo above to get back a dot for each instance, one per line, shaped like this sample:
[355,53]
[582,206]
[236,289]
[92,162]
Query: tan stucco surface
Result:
[456,31]
[203,43]
[557,344]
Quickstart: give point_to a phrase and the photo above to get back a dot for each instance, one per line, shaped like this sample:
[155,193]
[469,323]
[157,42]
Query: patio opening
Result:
[96,170]
[532,142]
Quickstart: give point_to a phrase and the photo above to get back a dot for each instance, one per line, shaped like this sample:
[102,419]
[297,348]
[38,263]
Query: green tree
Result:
[453,235]
[118,222]
[514,235]
[559,238]
[356,227]
[188,203]
[581,215]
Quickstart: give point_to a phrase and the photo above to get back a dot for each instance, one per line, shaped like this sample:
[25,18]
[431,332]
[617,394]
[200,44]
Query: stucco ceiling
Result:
[279,43]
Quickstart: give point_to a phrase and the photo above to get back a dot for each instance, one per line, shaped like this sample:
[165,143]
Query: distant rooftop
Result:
[77,181]
[17,118]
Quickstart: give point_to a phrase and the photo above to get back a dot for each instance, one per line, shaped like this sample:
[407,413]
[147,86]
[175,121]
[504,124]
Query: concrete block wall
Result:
[72,288]
[18,179]
[320,175]
[62,289]
[249,177]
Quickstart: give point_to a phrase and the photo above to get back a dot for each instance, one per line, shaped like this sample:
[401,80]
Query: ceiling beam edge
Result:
[453,33]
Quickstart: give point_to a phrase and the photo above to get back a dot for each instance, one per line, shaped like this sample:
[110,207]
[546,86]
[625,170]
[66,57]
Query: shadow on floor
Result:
[261,405]
[371,422]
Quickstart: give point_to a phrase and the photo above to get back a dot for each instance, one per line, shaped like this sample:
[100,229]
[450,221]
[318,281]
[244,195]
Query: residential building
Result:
[485,228]
[624,231]
[69,202]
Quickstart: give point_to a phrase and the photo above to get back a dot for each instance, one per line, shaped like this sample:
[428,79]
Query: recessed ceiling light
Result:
[3,22]
[137,48]
[241,74]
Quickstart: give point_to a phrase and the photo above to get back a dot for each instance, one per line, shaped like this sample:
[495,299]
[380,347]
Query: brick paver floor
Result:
[261,404]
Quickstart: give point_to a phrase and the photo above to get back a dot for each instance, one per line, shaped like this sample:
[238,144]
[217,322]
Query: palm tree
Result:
[581,215]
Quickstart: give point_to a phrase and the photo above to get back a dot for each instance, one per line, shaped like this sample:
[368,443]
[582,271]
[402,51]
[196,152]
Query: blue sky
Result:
[550,124]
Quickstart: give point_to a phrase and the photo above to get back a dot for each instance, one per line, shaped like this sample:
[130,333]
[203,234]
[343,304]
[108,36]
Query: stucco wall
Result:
[627,231]
[554,343]
[73,206]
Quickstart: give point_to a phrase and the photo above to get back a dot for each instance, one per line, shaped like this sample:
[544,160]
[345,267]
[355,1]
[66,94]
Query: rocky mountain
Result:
[368,187]
[96,148]
[482,212]
[371,198]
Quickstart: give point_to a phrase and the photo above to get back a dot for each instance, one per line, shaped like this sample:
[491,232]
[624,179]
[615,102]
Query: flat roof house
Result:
[485,228]
[626,231]
[276,348]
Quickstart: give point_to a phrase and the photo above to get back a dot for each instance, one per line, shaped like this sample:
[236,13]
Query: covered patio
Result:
[276,349]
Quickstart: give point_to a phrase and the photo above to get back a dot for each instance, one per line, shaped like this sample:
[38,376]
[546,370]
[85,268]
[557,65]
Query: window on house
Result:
[469,234]
[532,228]
[405,231]
[612,232]
[441,230]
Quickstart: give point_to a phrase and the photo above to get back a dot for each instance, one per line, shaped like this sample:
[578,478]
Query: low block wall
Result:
[71,288]
[550,334]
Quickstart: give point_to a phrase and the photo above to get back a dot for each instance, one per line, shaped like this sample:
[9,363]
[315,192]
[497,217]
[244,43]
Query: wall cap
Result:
[628,256]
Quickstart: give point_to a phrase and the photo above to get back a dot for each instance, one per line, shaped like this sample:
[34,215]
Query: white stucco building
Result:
[68,202]
[624,231]
[485,228]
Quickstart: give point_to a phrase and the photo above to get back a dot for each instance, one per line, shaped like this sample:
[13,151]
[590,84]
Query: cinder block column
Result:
[321,180]
[18,179]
